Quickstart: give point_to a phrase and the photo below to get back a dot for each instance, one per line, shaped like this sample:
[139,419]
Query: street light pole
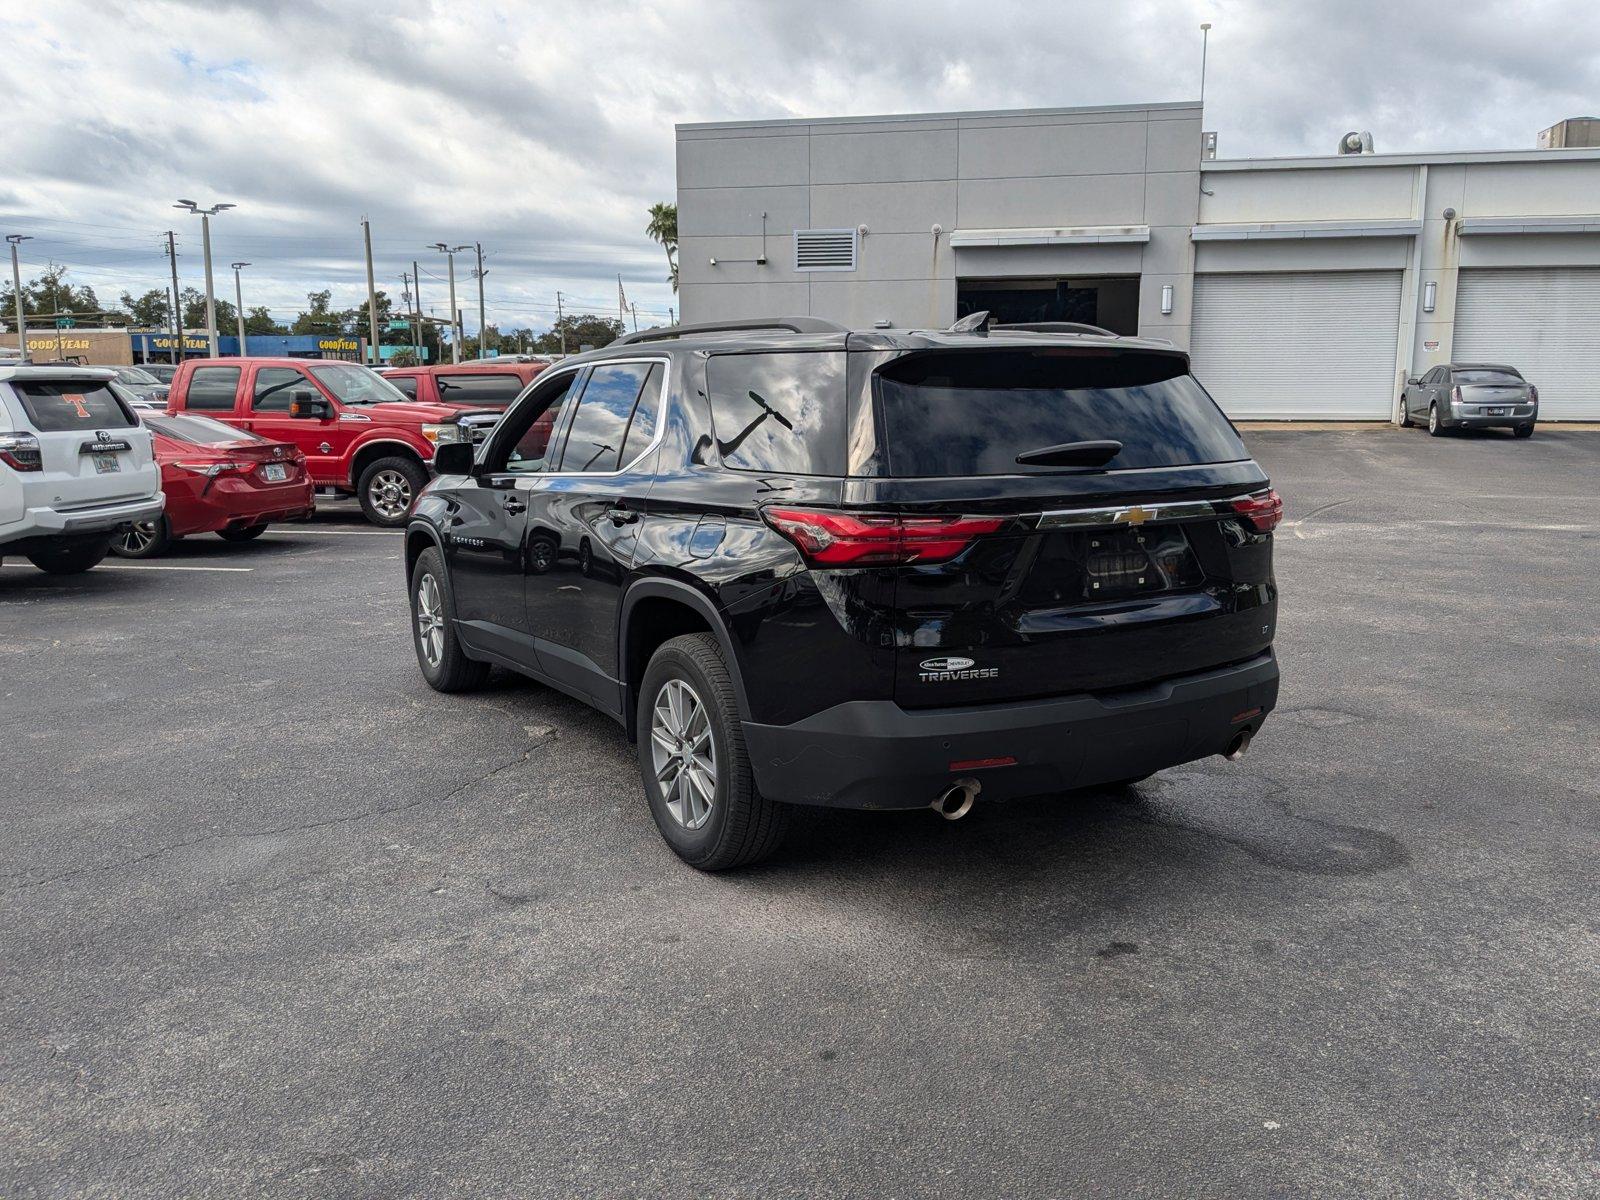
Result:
[450,252]
[16,239]
[238,302]
[211,292]
[1205,41]
[372,296]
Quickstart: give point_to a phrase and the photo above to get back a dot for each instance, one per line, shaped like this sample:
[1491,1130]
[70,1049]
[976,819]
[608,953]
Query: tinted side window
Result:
[601,424]
[273,387]
[642,429]
[529,429]
[478,389]
[211,389]
[780,412]
[406,384]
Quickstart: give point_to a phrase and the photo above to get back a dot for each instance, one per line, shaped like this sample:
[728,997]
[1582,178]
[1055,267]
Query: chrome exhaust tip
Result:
[1238,747]
[955,801]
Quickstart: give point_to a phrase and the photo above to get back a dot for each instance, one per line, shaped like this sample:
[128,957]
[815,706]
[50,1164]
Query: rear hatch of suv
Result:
[75,444]
[1131,544]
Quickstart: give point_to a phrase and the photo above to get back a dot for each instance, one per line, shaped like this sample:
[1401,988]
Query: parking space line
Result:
[153,567]
[334,532]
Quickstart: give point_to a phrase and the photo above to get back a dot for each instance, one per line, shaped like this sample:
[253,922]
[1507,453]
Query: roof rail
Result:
[1056,327]
[790,324]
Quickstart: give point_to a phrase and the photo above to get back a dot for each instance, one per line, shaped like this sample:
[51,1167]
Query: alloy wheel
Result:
[390,493]
[430,620]
[683,753]
[138,537]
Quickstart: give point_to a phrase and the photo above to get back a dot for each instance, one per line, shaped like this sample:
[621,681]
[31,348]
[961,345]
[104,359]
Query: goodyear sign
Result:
[338,345]
[165,342]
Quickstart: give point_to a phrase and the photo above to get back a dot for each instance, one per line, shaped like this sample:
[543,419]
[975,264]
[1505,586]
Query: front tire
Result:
[71,559]
[694,764]
[143,539]
[388,486]
[1405,416]
[1435,426]
[248,534]
[444,663]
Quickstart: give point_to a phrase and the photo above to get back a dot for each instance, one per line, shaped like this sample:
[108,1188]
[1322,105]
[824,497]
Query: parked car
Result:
[876,570]
[358,433]
[487,381]
[76,467]
[163,372]
[1471,396]
[140,387]
[218,479]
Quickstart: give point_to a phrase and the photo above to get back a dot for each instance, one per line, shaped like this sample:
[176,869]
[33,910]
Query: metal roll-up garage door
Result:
[1544,321]
[1310,344]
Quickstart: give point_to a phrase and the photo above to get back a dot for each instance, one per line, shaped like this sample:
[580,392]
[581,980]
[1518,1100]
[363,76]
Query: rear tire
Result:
[1435,426]
[712,825]
[444,663]
[1523,431]
[248,534]
[74,558]
[388,486]
[143,539]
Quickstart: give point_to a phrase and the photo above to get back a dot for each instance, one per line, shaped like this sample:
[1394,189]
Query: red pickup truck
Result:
[359,433]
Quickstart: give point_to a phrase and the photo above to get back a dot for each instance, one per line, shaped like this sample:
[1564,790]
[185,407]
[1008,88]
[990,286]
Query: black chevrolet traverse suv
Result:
[804,565]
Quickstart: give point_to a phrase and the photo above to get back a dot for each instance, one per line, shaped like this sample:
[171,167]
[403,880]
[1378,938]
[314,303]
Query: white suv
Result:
[76,466]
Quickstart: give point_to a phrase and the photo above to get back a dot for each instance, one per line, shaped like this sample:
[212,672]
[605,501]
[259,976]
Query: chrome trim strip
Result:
[1133,515]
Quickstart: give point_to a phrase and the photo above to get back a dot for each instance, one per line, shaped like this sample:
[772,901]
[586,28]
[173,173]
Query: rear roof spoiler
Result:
[783,324]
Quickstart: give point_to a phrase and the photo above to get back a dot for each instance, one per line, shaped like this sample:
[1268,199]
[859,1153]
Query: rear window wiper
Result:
[1072,454]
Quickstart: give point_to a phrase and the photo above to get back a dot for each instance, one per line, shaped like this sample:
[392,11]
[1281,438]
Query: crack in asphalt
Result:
[304,827]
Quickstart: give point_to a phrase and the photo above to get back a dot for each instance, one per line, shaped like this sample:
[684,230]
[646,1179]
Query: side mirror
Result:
[306,404]
[454,458]
[1413,381]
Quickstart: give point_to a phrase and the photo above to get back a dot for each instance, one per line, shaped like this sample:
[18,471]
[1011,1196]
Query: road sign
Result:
[399,326]
[65,322]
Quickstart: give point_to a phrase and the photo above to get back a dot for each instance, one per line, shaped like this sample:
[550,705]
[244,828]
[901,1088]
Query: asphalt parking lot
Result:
[279,920]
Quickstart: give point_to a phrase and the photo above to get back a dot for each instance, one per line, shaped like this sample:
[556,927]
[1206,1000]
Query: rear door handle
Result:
[621,514]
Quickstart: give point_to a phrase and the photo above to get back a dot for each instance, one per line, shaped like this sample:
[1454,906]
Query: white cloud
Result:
[545,129]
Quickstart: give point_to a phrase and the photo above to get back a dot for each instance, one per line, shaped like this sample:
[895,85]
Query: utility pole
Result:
[672,315]
[177,300]
[16,239]
[211,292]
[372,294]
[416,305]
[450,252]
[561,325]
[482,323]
[238,300]
[633,310]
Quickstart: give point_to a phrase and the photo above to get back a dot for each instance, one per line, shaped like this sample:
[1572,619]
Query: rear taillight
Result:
[212,469]
[20,452]
[837,539]
[1455,395]
[1533,394]
[1263,510]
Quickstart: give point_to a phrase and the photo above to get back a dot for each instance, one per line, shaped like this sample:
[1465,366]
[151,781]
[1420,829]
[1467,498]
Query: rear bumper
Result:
[244,507]
[1472,419]
[875,754]
[103,518]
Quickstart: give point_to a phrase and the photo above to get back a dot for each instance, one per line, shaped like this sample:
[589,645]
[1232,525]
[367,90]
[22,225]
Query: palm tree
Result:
[663,228]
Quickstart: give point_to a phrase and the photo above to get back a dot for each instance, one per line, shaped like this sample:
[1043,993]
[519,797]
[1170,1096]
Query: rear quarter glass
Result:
[968,413]
[782,412]
[54,407]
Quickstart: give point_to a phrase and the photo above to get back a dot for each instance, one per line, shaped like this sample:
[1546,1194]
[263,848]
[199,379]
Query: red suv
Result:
[359,433]
[493,383]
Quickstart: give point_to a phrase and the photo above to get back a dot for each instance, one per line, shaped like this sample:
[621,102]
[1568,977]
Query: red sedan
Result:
[218,479]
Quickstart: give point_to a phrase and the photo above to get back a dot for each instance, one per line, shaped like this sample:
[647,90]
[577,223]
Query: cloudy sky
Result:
[545,129]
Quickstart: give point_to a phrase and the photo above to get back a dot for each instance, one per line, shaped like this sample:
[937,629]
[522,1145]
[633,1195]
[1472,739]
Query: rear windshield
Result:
[71,404]
[965,413]
[1501,378]
[501,387]
[199,431]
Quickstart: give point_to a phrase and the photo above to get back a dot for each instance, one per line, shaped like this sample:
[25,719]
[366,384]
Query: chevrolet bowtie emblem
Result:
[1135,515]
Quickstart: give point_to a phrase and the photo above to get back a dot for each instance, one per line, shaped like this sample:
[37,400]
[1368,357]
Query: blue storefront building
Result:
[158,347]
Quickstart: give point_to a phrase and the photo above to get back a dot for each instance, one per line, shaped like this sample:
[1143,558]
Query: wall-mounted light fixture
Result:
[1166,299]
[1430,294]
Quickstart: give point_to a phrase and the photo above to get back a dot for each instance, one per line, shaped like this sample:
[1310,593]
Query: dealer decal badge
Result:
[952,669]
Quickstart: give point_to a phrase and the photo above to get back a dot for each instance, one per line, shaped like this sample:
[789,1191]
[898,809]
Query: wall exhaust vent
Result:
[825,249]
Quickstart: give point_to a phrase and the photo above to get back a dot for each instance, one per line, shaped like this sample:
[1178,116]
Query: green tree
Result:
[663,228]
[318,316]
[259,320]
[580,329]
[152,310]
[403,358]
[50,294]
[194,312]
